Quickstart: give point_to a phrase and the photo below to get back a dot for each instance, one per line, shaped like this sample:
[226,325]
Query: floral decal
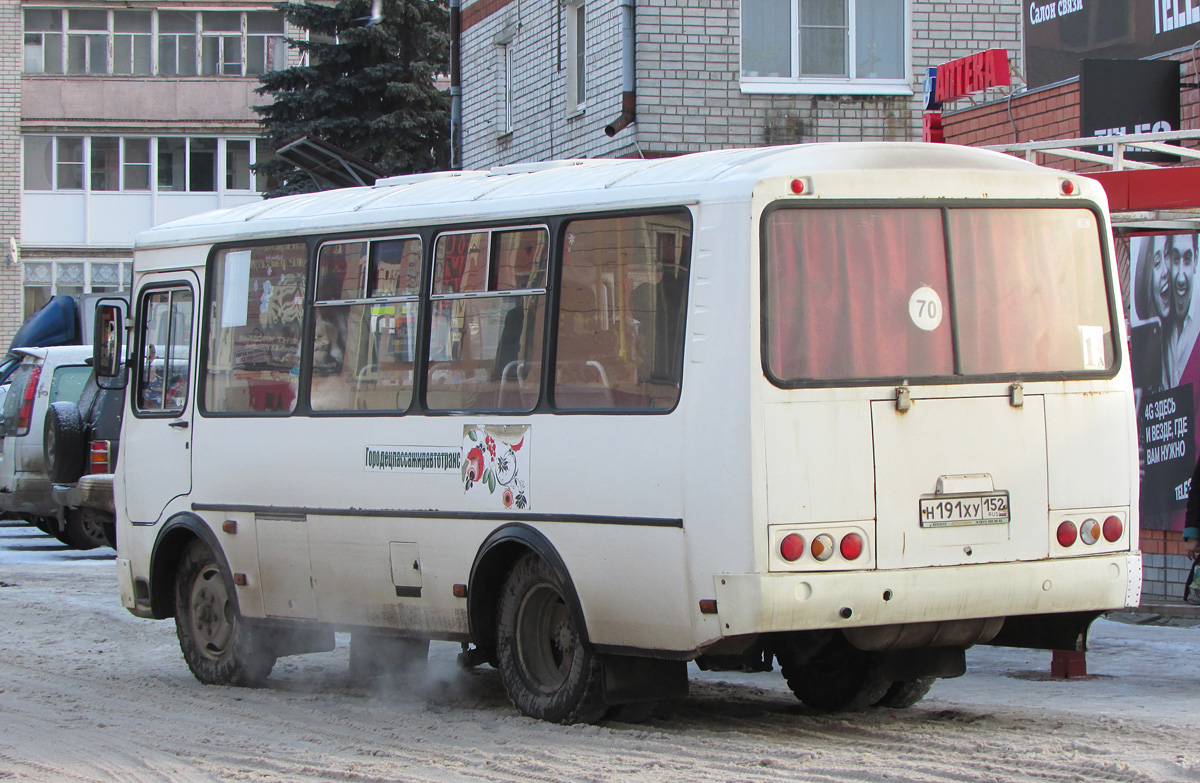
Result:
[495,464]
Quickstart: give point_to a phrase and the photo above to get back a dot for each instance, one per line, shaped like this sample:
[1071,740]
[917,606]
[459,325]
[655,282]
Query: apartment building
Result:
[115,117]
[545,80]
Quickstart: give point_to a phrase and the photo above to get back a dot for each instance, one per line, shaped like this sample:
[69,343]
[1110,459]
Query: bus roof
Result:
[575,185]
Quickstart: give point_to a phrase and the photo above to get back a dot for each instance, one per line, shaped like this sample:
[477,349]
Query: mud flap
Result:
[629,679]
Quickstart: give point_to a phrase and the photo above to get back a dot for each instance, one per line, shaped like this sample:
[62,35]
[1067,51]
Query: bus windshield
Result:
[875,293]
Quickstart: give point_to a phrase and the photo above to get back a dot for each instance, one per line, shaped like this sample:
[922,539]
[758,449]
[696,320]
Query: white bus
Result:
[849,407]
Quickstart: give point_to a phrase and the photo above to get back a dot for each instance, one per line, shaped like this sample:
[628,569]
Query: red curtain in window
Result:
[838,292]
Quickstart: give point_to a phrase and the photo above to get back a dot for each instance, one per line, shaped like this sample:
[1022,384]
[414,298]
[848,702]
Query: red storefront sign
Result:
[973,73]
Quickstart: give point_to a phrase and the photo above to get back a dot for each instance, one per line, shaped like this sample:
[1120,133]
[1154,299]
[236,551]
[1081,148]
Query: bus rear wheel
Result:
[217,644]
[906,693]
[547,669]
[838,677]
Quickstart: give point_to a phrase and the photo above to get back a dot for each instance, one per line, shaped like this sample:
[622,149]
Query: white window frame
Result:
[575,28]
[831,85]
[222,163]
[35,45]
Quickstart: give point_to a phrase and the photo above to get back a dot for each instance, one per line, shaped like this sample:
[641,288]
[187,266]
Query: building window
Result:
[111,163]
[825,46]
[43,40]
[576,34]
[88,41]
[132,43]
[73,276]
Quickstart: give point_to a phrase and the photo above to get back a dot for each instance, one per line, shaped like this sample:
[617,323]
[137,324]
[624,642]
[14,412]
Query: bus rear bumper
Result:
[765,603]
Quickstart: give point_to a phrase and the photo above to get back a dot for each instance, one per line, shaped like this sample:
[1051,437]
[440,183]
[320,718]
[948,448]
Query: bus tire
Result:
[546,667]
[906,693]
[839,677]
[217,644]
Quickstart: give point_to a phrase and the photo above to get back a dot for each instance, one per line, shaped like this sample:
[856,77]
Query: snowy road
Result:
[90,693]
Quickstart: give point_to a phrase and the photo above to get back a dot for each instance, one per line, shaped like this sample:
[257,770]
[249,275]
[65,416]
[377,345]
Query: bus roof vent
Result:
[413,179]
[529,168]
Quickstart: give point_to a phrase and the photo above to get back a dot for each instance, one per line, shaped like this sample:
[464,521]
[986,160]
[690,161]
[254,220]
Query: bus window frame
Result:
[555,224]
[943,206]
[137,356]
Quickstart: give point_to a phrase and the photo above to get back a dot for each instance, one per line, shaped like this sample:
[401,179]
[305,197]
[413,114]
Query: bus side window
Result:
[621,313]
[363,350]
[488,320]
[164,369]
[258,297]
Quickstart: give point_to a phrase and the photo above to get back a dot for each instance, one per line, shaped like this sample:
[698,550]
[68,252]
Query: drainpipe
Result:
[628,73]
[455,84]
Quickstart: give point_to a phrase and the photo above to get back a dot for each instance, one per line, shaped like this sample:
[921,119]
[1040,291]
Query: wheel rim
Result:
[93,530]
[546,639]
[210,613]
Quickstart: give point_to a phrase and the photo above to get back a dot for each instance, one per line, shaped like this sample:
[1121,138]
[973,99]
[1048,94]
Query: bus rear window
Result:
[898,293]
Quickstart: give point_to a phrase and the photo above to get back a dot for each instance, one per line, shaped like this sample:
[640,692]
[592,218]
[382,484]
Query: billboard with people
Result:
[1164,320]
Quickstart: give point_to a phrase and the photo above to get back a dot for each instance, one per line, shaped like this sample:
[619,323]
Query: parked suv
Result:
[44,376]
[80,451]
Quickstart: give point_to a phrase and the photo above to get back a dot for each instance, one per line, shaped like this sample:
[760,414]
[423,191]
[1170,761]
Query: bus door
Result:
[156,451]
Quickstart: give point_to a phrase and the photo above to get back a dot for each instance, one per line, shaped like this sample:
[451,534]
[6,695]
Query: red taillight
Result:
[98,457]
[25,414]
[797,186]
[1066,533]
[1113,528]
[791,548]
[852,546]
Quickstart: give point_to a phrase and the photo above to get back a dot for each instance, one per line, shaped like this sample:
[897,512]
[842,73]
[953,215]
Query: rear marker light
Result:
[1113,528]
[797,186]
[708,606]
[1089,531]
[851,546]
[791,548]
[460,591]
[1068,187]
[1066,533]
[822,547]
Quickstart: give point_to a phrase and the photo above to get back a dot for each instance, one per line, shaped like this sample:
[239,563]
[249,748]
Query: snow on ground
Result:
[90,693]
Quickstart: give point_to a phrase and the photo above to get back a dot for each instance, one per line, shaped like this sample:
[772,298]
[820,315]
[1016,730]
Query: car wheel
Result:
[217,644]
[63,445]
[547,669]
[83,531]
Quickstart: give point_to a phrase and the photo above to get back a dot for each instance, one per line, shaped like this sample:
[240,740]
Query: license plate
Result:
[985,508]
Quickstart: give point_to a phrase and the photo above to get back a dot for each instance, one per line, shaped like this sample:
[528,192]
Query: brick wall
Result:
[1165,566]
[688,90]
[11,305]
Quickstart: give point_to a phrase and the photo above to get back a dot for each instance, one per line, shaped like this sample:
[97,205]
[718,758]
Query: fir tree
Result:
[367,87]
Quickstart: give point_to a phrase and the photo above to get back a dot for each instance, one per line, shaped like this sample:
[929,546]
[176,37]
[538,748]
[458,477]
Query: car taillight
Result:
[1113,528]
[25,414]
[98,457]
[1066,533]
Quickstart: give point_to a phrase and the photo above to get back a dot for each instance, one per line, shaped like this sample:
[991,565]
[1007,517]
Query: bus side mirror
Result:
[108,347]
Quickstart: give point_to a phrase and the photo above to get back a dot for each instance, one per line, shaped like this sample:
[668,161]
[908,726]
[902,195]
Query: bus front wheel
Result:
[218,646]
[547,669]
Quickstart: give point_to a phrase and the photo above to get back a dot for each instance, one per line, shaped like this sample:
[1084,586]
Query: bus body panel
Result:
[654,513]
